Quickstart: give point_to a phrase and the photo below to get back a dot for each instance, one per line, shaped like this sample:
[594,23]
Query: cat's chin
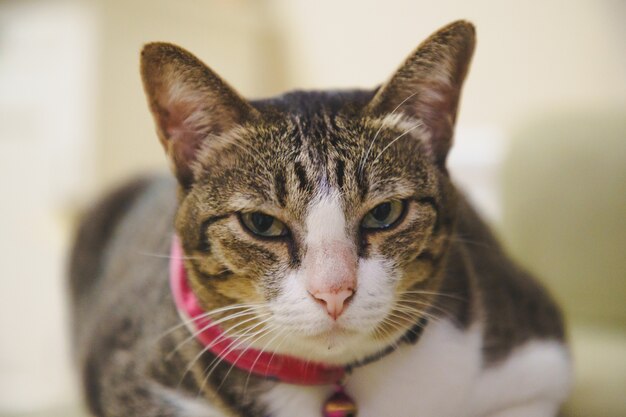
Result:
[335,346]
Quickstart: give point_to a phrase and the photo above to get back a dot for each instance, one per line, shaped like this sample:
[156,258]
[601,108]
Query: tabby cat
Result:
[314,229]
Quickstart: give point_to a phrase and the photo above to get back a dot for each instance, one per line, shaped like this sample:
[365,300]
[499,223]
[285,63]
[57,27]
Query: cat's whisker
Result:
[415,126]
[208,326]
[369,148]
[378,333]
[280,332]
[435,293]
[191,364]
[439,309]
[167,256]
[402,328]
[457,238]
[269,330]
[216,361]
[205,315]
[241,337]
[234,345]
[397,325]
[225,333]
[386,334]
[429,316]
[403,315]
[390,322]
[411,313]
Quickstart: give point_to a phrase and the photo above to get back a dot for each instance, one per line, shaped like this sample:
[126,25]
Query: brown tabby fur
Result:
[274,155]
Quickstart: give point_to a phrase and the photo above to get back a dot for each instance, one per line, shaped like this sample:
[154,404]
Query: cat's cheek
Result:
[374,296]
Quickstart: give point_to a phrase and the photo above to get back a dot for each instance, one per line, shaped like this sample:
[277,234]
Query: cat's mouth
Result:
[335,341]
[333,334]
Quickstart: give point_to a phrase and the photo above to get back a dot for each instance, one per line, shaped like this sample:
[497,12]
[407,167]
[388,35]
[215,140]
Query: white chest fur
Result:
[442,376]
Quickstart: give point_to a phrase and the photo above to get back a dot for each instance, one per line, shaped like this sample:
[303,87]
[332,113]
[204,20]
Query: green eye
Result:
[263,224]
[383,215]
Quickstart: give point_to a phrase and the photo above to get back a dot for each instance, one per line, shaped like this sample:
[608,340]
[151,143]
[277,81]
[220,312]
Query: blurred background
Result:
[540,145]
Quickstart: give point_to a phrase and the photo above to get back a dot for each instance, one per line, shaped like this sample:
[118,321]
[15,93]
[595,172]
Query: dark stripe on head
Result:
[363,184]
[434,259]
[430,201]
[279,187]
[222,276]
[301,174]
[426,256]
[203,241]
[435,206]
[339,172]
[294,259]
[363,246]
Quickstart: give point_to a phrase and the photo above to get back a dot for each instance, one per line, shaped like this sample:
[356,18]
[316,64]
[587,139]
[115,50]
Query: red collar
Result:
[266,364]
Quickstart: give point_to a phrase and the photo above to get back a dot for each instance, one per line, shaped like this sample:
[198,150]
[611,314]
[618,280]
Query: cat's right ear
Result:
[427,86]
[190,104]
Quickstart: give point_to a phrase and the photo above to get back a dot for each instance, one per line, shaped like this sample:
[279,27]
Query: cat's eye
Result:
[262,224]
[384,215]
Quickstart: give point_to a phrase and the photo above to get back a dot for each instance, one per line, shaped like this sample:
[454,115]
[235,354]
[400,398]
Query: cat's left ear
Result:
[427,86]
[190,104]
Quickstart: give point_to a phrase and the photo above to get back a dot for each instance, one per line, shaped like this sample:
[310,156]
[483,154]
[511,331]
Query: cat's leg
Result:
[150,400]
[185,405]
[532,409]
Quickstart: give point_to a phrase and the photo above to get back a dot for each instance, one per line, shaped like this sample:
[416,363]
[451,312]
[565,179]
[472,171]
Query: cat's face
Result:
[285,215]
[321,218]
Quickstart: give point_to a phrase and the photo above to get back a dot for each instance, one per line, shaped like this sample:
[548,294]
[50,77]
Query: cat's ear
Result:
[189,102]
[427,86]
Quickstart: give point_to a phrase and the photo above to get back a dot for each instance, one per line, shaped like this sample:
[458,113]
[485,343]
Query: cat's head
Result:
[322,218]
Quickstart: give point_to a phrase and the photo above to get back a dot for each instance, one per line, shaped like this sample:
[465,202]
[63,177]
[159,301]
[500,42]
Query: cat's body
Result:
[447,324]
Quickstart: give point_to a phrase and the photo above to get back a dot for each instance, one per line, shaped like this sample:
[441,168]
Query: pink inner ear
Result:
[172,117]
[178,135]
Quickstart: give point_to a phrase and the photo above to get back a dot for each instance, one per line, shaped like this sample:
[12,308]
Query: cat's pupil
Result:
[262,222]
[381,212]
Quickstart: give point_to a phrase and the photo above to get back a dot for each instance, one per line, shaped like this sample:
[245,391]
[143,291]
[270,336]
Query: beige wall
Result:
[237,38]
[531,55]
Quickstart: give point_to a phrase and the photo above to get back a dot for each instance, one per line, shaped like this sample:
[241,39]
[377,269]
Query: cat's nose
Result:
[335,302]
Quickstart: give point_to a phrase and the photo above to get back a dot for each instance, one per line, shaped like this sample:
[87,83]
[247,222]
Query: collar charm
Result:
[339,404]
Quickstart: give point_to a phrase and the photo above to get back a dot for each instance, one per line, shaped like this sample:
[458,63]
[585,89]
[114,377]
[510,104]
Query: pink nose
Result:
[335,302]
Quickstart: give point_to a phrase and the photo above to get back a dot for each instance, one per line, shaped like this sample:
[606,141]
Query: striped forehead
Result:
[322,154]
[313,161]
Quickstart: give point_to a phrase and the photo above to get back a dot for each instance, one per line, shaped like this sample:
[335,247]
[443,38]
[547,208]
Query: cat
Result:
[317,229]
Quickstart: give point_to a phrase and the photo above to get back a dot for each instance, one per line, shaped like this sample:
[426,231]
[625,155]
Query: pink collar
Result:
[269,365]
